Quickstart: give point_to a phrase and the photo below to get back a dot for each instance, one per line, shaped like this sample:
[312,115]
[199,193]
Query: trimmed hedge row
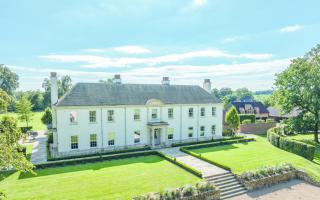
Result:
[250,117]
[302,149]
[188,148]
[204,142]
[104,153]
[180,164]
[92,159]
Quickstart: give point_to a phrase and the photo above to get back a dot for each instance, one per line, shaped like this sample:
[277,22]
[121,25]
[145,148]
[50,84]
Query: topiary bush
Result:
[251,117]
[260,121]
[269,120]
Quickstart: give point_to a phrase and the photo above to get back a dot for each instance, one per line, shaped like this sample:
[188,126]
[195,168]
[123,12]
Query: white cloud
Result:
[105,62]
[229,75]
[229,39]
[290,28]
[131,49]
[199,2]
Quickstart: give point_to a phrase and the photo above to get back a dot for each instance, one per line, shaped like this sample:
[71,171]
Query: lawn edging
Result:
[213,144]
[206,141]
[302,149]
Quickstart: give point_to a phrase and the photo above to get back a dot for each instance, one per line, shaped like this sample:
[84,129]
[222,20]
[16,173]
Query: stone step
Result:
[227,196]
[218,175]
[224,181]
[224,178]
[230,187]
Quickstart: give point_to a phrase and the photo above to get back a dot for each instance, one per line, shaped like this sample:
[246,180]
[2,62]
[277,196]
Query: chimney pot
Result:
[165,80]
[117,79]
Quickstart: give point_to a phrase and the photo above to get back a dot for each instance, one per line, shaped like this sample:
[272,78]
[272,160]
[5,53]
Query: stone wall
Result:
[256,128]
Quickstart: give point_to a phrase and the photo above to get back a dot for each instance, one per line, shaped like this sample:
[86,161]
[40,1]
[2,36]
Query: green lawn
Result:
[117,179]
[253,155]
[309,138]
[36,122]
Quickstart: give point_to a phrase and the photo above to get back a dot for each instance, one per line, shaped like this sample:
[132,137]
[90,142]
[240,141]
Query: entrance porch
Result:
[158,134]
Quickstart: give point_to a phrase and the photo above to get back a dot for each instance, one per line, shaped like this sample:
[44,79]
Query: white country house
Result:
[96,117]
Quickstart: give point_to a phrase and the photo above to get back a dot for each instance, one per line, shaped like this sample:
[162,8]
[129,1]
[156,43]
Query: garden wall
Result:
[256,128]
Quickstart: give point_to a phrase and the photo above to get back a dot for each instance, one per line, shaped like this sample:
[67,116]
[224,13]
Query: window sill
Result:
[73,123]
[93,122]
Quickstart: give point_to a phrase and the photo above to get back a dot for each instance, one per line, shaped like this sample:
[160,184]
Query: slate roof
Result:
[239,104]
[275,112]
[97,94]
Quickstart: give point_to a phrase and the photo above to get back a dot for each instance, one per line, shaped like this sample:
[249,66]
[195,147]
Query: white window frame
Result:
[154,115]
[170,132]
[202,112]
[190,112]
[136,114]
[137,140]
[213,111]
[111,142]
[202,131]
[74,144]
[213,129]
[93,140]
[190,131]
[110,115]
[73,118]
[92,116]
[170,113]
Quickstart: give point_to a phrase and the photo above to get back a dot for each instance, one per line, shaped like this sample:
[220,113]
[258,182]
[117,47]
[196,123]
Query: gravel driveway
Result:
[292,190]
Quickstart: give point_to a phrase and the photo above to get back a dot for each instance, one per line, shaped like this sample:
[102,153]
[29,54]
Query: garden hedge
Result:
[145,148]
[212,144]
[251,117]
[302,149]
[205,142]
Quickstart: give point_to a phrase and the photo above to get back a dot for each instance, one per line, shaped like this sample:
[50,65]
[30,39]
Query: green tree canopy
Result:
[4,101]
[243,93]
[232,119]
[24,109]
[10,156]
[299,86]
[8,80]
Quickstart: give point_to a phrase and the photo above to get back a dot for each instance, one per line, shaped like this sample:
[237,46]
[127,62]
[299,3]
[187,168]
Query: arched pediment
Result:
[154,102]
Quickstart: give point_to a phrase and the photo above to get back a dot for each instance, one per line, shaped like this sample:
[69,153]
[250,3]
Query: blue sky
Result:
[235,43]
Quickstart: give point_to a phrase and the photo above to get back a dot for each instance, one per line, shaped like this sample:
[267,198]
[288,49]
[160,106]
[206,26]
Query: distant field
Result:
[36,122]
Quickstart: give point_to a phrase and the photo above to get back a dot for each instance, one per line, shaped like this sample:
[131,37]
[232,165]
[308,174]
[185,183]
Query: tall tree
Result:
[243,93]
[225,91]
[10,156]
[299,86]
[8,80]
[64,85]
[24,109]
[232,119]
[4,101]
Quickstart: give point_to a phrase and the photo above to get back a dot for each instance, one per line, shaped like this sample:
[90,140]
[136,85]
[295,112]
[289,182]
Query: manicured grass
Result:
[117,179]
[251,156]
[309,139]
[28,151]
[36,122]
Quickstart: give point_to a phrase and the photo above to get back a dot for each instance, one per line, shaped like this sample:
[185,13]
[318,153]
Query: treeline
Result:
[9,97]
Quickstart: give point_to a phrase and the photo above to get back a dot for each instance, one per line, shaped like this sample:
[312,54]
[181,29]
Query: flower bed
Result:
[267,176]
[201,191]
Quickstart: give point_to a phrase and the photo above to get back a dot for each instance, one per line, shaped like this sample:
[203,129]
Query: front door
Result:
[157,136]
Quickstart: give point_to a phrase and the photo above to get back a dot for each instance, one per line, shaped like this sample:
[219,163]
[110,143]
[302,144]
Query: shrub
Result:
[207,141]
[25,129]
[47,116]
[246,121]
[227,132]
[296,147]
[188,191]
[2,196]
[251,117]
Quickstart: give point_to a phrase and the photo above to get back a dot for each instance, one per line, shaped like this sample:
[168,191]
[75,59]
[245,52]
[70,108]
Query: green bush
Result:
[50,138]
[251,117]
[47,116]
[227,133]
[246,121]
[25,129]
[302,149]
[204,142]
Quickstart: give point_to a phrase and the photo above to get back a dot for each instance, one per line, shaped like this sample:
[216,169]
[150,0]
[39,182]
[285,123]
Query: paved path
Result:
[39,152]
[292,190]
[207,169]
